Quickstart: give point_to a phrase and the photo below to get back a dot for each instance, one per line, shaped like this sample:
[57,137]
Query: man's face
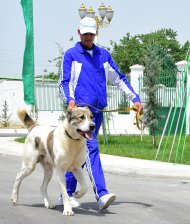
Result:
[87,39]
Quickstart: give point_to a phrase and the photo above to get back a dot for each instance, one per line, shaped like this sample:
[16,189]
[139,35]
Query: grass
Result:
[130,146]
[21,140]
[134,147]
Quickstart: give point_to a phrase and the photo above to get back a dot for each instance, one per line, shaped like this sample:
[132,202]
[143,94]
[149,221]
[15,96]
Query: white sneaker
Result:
[74,202]
[105,201]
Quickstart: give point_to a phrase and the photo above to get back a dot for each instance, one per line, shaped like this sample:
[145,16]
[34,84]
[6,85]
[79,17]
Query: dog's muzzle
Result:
[88,134]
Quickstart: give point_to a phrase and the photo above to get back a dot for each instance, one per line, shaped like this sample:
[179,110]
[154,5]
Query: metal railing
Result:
[167,90]
[48,97]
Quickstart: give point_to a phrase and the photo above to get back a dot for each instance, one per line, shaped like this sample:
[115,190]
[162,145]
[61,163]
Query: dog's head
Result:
[81,119]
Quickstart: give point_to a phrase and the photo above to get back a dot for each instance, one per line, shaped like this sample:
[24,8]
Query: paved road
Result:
[140,200]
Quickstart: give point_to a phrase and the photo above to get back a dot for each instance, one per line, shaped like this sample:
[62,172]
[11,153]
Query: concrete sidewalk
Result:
[111,164]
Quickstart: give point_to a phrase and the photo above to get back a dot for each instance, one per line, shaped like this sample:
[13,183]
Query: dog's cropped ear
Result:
[69,113]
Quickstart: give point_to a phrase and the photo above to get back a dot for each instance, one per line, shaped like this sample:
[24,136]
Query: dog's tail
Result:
[26,119]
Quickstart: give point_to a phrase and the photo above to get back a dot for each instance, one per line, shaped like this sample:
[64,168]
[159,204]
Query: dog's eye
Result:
[82,117]
[91,116]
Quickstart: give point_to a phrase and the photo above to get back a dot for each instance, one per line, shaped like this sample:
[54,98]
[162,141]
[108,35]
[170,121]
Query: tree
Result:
[127,53]
[5,117]
[152,71]
[57,61]
[131,49]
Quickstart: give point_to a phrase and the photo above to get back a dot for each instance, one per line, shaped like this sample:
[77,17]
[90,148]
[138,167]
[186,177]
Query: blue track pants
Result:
[93,164]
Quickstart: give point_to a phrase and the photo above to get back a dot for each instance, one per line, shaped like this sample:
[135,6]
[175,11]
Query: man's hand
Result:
[139,106]
[72,104]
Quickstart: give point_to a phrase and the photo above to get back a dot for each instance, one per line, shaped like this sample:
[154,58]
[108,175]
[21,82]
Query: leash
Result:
[137,119]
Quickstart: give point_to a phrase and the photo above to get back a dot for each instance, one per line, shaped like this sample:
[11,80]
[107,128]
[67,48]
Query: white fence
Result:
[48,97]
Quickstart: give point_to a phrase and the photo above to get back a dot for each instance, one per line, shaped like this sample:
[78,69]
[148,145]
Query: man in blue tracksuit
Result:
[86,68]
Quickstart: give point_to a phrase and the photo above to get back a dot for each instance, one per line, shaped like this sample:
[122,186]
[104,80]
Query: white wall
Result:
[12,92]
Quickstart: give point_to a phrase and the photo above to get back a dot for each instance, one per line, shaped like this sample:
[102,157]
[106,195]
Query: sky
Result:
[56,21]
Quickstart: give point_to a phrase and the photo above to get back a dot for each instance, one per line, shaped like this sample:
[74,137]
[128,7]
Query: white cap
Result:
[87,25]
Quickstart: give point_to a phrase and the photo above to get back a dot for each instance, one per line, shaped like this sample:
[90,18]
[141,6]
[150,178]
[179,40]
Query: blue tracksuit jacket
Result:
[84,77]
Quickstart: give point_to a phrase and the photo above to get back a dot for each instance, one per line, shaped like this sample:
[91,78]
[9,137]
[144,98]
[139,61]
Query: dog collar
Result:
[66,132]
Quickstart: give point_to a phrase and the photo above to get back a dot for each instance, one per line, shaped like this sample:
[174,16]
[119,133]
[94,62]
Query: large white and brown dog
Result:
[63,147]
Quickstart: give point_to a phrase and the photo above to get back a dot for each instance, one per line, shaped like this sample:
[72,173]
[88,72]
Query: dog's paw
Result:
[49,205]
[68,209]
[77,194]
[68,212]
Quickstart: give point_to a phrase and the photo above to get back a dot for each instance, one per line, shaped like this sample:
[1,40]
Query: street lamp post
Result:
[103,12]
